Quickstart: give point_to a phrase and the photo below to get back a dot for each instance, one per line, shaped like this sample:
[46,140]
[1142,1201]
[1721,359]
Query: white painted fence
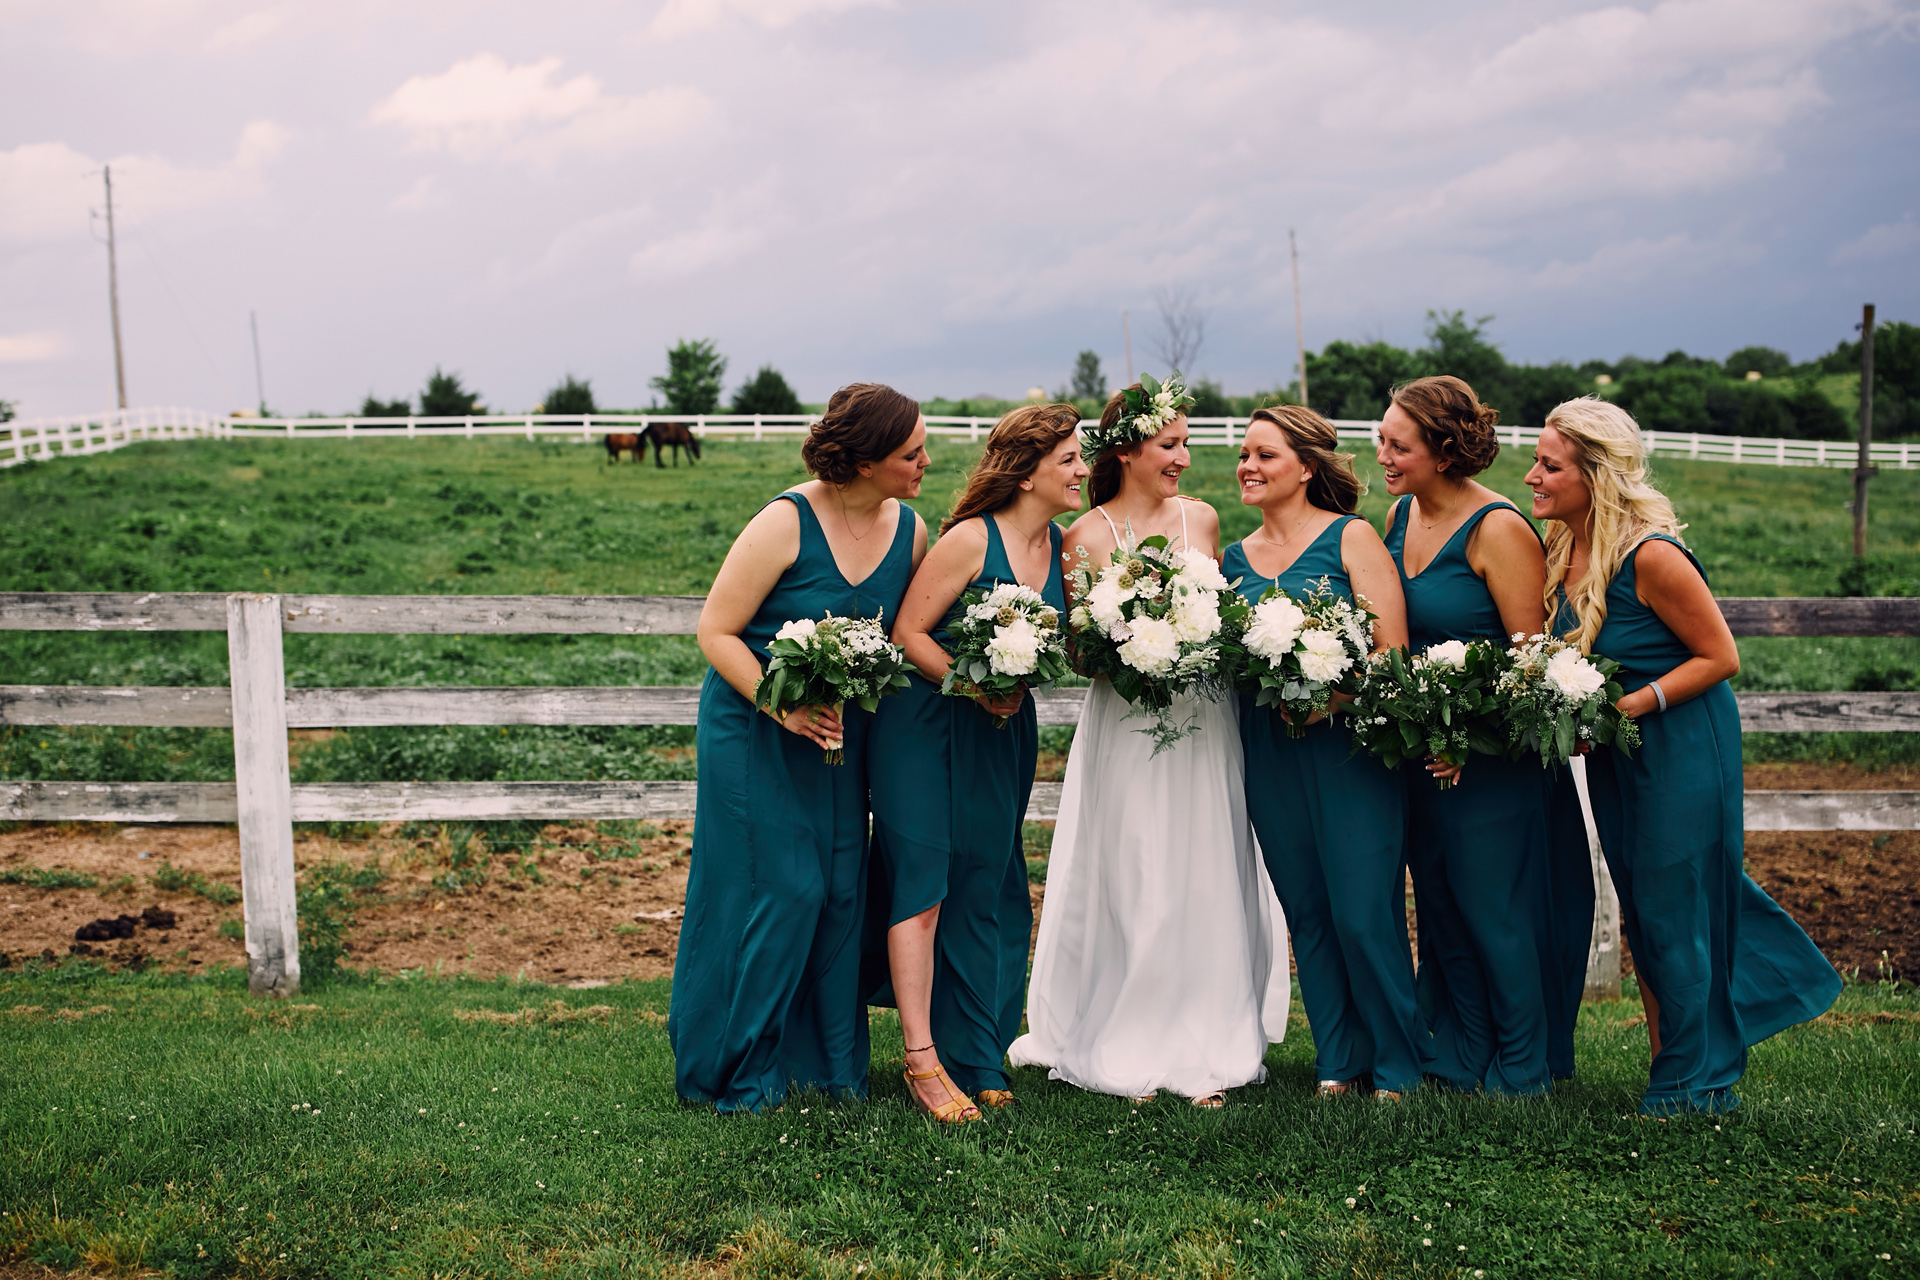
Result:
[260,709]
[46,438]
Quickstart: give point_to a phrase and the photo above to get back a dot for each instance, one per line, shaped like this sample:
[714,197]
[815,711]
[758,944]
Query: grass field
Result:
[498,516]
[416,1128]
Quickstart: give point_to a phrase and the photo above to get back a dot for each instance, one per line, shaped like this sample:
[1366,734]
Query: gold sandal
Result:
[1333,1088]
[957,1109]
[1210,1101]
[996,1098]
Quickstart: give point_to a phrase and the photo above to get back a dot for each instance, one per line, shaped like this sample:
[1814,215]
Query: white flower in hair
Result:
[1575,677]
[800,630]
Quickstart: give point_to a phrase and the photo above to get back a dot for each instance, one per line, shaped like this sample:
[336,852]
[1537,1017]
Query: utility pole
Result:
[1863,469]
[113,296]
[259,383]
[1126,336]
[1299,334]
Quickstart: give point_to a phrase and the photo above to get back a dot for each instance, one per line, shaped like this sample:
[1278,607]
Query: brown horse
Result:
[636,445]
[673,435]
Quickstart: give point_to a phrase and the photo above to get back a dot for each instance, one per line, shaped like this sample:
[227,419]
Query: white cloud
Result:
[690,17]
[424,194]
[31,348]
[688,253]
[47,188]
[483,109]
[1888,240]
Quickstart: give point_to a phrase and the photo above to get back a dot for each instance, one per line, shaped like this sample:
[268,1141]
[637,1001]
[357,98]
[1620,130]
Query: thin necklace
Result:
[848,520]
[1297,528]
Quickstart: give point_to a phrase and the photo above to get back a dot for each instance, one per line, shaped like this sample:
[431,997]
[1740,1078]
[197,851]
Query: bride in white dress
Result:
[1162,956]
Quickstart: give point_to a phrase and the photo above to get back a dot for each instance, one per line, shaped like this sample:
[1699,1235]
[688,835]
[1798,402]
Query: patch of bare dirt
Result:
[571,911]
[1856,893]
[1795,776]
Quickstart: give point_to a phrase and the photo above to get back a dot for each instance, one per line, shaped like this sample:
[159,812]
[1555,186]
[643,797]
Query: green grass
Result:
[504,516]
[373,1131]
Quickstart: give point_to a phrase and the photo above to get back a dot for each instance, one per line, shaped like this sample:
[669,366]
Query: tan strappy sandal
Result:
[1210,1101]
[957,1109]
[996,1098]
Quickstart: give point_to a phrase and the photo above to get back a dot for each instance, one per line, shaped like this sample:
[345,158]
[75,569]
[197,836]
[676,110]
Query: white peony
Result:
[1575,677]
[982,612]
[800,630]
[1153,648]
[1202,569]
[1275,629]
[1448,653]
[1014,649]
[1195,616]
[1104,601]
[1081,618]
[1323,656]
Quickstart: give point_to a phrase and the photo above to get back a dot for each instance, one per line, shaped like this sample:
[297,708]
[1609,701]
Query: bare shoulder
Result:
[1204,511]
[1089,531]
[1359,534]
[966,540]
[775,519]
[1505,529]
[1658,563]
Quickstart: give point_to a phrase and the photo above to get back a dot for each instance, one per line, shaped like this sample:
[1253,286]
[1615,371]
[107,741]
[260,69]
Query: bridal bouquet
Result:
[1300,652]
[829,663]
[1553,700]
[1157,623]
[1001,641]
[1441,703]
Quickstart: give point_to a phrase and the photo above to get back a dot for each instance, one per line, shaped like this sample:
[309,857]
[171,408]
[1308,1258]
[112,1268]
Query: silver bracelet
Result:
[1659,694]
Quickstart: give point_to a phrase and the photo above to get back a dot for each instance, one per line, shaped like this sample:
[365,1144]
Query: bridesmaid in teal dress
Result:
[766,987]
[1472,567]
[949,917]
[1720,966]
[1331,824]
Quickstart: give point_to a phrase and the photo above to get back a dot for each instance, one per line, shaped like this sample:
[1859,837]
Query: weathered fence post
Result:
[1603,952]
[263,791]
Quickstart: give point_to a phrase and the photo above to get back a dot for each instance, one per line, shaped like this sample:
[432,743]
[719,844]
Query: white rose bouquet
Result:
[1556,701]
[1157,623]
[1002,641]
[1300,652]
[1440,704]
[829,663]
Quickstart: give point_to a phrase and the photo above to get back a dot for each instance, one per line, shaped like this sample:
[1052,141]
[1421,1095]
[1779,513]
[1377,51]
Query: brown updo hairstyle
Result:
[1453,422]
[1108,470]
[864,422]
[1334,486]
[1018,444]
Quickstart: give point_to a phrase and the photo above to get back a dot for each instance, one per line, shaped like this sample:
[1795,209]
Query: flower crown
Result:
[1146,409]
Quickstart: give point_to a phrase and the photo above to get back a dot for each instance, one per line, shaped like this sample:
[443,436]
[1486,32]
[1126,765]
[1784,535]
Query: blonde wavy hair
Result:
[1626,507]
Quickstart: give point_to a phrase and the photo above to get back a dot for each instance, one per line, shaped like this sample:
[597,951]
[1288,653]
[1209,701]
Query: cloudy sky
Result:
[953,197]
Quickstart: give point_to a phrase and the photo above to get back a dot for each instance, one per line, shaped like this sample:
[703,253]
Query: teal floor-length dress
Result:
[1727,965]
[1331,826]
[766,985]
[950,793]
[1478,854]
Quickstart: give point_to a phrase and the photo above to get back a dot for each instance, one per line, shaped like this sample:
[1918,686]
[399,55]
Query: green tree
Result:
[1348,380]
[766,392]
[374,408]
[446,397]
[694,376]
[1209,401]
[6,410]
[1089,379]
[1459,346]
[1764,361]
[570,396]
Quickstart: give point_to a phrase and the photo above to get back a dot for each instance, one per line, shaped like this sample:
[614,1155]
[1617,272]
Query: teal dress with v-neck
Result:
[766,987]
[1332,826]
[1727,965]
[950,793]
[1489,974]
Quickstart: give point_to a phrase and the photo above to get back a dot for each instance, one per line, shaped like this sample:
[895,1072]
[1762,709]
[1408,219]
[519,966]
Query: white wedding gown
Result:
[1162,956]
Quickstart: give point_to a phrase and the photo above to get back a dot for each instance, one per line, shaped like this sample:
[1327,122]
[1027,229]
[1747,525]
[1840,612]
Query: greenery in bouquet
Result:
[1157,623]
[1440,704]
[829,663]
[1557,702]
[1002,641]
[1301,651]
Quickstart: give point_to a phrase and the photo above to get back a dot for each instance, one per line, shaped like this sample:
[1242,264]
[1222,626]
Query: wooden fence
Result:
[260,708]
[83,434]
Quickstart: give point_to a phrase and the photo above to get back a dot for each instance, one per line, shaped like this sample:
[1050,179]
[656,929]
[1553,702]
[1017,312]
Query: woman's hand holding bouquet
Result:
[1558,704]
[828,663]
[1440,704]
[1003,642]
[1300,652]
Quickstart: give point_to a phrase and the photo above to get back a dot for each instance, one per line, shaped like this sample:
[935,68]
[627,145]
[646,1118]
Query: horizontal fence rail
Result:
[84,434]
[260,708]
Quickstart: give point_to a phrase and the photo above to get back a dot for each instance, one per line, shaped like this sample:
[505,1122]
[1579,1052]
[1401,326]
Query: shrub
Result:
[766,392]
[372,408]
[570,396]
[174,880]
[447,397]
[1764,361]
[1209,401]
[47,878]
